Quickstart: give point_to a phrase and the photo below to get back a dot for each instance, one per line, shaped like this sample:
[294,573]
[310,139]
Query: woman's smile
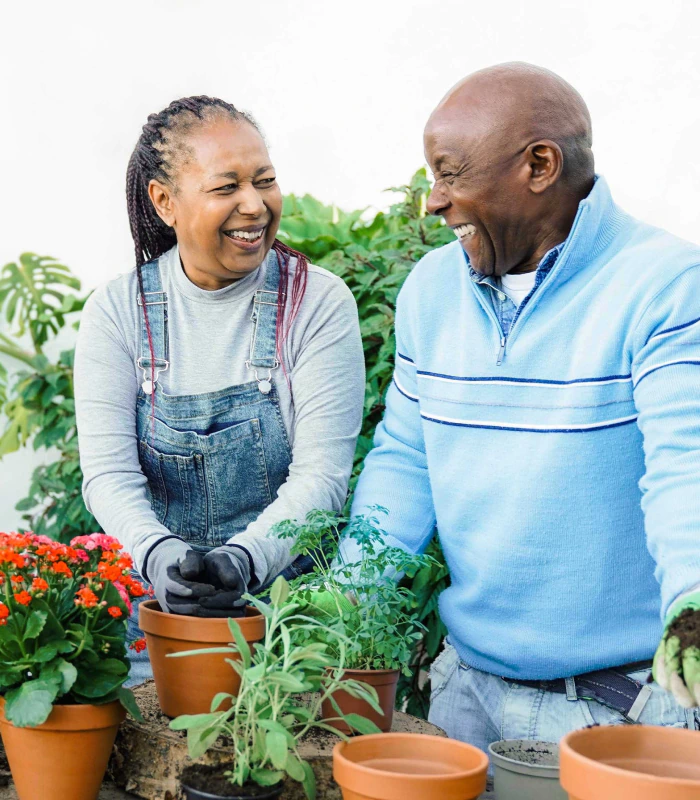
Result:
[249,239]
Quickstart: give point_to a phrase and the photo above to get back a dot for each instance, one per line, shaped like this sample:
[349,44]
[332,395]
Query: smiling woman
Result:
[219,385]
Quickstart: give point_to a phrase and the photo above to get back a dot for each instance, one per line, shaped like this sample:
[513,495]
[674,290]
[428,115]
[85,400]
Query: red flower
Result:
[39,585]
[114,611]
[139,645]
[86,597]
[23,598]
[109,572]
[4,614]
[17,579]
[61,568]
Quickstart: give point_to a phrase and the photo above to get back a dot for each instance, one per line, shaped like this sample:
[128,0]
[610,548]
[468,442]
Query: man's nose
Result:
[250,202]
[437,202]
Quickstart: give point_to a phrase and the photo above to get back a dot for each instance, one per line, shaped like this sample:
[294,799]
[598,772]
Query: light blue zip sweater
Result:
[564,482]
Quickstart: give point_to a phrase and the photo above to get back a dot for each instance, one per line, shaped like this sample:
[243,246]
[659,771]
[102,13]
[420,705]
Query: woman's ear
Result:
[546,164]
[162,199]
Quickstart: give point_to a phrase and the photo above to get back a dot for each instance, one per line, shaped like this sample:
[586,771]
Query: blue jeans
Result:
[479,708]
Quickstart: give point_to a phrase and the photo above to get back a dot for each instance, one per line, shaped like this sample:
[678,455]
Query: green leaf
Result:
[35,624]
[361,724]
[30,704]
[241,644]
[276,745]
[266,777]
[219,698]
[128,701]
[309,782]
[186,721]
[279,592]
[295,768]
[61,671]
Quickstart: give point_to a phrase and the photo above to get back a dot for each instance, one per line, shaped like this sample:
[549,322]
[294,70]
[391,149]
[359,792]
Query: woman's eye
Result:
[266,181]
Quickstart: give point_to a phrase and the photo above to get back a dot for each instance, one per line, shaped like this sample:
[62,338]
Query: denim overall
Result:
[214,461]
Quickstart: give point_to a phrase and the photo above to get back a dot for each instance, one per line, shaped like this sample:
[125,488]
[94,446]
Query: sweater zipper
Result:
[501,350]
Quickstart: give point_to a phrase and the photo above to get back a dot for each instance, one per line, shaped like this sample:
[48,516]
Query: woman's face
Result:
[225,204]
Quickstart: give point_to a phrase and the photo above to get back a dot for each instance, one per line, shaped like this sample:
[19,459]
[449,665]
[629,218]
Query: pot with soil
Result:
[66,756]
[631,762]
[187,685]
[200,782]
[526,770]
[384,682]
[391,766]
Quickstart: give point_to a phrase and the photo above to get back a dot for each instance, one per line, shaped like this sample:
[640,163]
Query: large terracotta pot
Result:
[66,757]
[187,685]
[383,680]
[631,762]
[409,766]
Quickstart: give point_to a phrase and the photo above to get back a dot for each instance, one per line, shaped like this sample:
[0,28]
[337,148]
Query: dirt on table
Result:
[686,626]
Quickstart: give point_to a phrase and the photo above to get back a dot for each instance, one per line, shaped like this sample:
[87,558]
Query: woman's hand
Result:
[178,576]
[228,570]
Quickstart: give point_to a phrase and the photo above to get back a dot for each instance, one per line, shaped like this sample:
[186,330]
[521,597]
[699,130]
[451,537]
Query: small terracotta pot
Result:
[66,756]
[409,766]
[383,680]
[631,762]
[188,685]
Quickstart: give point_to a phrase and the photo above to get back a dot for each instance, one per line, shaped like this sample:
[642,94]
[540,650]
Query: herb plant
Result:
[268,717]
[63,620]
[361,598]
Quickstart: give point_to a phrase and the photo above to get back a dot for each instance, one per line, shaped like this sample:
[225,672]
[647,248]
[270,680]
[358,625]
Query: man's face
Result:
[481,190]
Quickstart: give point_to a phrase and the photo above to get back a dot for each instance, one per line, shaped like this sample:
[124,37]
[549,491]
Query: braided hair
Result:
[160,150]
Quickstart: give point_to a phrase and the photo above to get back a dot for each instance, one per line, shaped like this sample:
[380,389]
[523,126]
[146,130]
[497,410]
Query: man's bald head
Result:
[522,102]
[510,147]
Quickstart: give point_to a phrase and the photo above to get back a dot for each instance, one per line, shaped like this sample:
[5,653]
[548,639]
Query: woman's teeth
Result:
[249,236]
[463,231]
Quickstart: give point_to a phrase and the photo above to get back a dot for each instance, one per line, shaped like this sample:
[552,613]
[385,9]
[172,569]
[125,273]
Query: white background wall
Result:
[342,91]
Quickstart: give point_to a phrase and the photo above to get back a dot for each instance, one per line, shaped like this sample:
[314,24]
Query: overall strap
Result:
[157,306]
[263,340]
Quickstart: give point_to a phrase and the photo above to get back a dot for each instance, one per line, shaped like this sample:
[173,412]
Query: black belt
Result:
[611,687]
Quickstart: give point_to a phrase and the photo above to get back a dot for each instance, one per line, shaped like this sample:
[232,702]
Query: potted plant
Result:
[361,597]
[268,717]
[186,686]
[63,619]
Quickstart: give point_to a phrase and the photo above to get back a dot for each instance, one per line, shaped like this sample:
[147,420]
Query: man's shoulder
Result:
[437,269]
[657,254]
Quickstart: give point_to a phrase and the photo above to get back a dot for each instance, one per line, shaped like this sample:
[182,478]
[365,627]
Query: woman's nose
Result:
[250,202]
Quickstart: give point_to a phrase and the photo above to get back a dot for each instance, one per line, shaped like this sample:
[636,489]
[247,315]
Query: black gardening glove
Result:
[178,576]
[229,571]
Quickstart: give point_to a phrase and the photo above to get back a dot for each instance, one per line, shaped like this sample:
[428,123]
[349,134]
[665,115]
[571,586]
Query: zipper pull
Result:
[501,352]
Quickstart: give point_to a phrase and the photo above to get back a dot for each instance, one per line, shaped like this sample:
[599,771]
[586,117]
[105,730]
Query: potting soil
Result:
[686,626]
[212,780]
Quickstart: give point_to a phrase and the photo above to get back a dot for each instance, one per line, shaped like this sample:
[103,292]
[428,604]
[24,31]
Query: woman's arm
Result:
[328,385]
[114,486]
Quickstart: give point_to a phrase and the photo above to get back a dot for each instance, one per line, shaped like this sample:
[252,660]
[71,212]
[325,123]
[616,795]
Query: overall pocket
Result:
[177,490]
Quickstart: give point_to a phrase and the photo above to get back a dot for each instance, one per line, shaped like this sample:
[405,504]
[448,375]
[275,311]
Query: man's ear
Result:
[546,162]
[162,199]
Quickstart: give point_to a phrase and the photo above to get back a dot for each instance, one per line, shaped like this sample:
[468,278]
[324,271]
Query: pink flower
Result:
[124,595]
[84,541]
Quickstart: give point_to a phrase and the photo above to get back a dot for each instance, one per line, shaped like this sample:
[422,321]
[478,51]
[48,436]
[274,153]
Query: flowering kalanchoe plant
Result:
[63,615]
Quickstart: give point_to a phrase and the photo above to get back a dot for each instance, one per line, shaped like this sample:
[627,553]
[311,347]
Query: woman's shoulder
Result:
[322,284]
[113,302]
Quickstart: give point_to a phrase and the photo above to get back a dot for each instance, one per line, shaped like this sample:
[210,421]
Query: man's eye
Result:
[230,187]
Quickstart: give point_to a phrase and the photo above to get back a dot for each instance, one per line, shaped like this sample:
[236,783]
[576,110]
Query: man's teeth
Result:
[462,231]
[251,236]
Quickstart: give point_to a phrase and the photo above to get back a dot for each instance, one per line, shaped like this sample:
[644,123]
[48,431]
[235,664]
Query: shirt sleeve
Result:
[328,385]
[666,376]
[395,473]
[114,486]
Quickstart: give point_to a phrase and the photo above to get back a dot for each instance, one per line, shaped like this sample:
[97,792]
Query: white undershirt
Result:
[518,287]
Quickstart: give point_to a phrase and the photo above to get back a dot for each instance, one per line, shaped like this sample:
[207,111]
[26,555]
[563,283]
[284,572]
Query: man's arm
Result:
[666,375]
[395,473]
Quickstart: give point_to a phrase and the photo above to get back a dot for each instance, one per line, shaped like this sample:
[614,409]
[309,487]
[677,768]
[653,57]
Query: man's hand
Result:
[178,576]
[677,661]
[228,570]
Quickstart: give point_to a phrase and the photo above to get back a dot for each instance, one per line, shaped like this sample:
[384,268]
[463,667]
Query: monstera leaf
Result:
[33,296]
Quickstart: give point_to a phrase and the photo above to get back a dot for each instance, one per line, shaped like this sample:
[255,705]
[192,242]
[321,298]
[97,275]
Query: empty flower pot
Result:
[187,685]
[526,770]
[383,680]
[65,757]
[631,762]
[408,766]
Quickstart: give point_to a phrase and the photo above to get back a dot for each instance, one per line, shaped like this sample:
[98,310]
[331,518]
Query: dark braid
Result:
[161,148]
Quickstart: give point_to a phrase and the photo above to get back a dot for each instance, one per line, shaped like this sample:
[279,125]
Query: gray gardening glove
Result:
[229,570]
[178,576]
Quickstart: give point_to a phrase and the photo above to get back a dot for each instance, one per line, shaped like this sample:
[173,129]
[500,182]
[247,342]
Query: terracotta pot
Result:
[383,680]
[66,756]
[631,762]
[188,685]
[409,766]
[220,793]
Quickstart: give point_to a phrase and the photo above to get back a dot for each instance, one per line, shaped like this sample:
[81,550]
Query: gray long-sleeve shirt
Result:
[209,335]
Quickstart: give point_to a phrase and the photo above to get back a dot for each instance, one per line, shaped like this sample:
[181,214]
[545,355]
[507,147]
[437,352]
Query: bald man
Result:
[545,418]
